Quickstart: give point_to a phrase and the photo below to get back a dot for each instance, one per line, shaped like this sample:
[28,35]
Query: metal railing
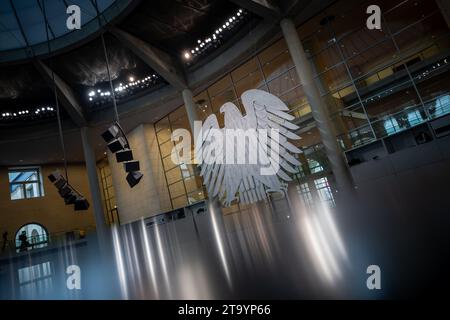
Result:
[42,241]
[393,123]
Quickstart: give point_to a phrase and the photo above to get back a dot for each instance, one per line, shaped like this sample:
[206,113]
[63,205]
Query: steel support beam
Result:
[263,8]
[165,65]
[65,94]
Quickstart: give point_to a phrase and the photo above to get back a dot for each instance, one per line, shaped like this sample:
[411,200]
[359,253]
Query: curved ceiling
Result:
[171,26]
[23,24]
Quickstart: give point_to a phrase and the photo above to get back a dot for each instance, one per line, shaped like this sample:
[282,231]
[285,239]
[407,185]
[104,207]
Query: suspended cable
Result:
[58,113]
[105,52]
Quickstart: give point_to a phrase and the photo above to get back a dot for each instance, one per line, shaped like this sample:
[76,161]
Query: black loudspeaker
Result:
[70,198]
[124,155]
[111,133]
[131,166]
[61,182]
[133,178]
[117,144]
[65,190]
[81,204]
[54,176]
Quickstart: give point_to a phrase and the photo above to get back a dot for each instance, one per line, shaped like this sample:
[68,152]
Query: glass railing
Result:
[394,123]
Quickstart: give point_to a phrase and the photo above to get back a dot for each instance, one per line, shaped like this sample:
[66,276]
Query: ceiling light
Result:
[131,79]
[187,55]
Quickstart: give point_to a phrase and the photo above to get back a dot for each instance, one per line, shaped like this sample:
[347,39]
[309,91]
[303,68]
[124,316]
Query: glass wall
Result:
[374,82]
[184,186]
[379,82]
[108,194]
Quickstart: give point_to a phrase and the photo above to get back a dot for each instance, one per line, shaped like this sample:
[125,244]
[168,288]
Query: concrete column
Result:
[318,107]
[91,166]
[444,7]
[188,99]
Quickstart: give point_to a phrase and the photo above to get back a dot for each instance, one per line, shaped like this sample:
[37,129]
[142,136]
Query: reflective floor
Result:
[276,250]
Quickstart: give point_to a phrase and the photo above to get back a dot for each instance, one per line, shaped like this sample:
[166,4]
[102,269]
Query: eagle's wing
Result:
[266,111]
[213,170]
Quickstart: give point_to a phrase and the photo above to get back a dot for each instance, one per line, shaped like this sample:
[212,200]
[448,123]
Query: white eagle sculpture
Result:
[244,182]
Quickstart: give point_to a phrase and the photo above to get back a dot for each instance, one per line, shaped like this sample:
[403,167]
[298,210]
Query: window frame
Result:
[23,184]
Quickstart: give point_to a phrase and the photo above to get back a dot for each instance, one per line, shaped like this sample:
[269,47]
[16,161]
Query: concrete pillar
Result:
[444,7]
[318,107]
[91,166]
[188,99]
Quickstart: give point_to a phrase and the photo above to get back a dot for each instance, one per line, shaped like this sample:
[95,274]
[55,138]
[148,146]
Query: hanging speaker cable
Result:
[58,112]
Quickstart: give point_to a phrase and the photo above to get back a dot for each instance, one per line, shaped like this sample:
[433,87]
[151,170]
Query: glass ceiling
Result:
[22,22]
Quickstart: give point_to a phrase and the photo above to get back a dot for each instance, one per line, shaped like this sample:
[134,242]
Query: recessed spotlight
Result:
[131,79]
[187,55]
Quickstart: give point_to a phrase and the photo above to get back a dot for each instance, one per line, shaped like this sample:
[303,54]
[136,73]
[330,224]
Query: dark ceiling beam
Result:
[165,65]
[263,8]
[65,94]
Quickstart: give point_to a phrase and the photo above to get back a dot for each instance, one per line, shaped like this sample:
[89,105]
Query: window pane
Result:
[32,190]
[283,83]
[391,100]
[22,176]
[177,189]
[333,78]
[196,196]
[275,60]
[253,80]
[326,59]
[166,148]
[407,13]
[173,175]
[17,192]
[371,58]
[164,135]
[180,202]
[24,183]
[162,124]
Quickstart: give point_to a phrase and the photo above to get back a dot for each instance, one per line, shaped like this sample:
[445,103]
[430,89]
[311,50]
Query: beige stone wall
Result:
[150,197]
[49,210]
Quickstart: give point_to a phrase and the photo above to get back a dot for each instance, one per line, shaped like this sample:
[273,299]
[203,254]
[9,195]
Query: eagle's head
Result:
[229,108]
